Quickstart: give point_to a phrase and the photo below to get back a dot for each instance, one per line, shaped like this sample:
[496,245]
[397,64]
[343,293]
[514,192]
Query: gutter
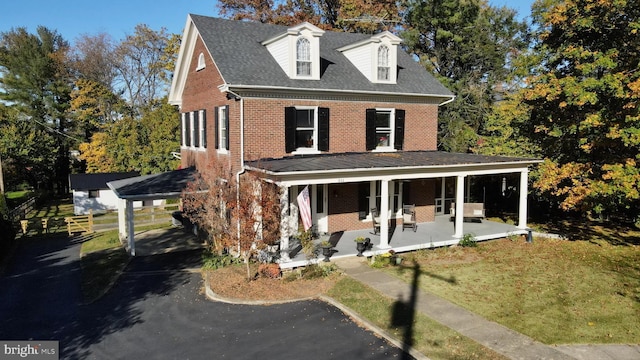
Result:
[226,87]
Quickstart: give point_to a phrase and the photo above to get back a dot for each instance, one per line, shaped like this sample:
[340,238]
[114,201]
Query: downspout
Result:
[448,101]
[242,168]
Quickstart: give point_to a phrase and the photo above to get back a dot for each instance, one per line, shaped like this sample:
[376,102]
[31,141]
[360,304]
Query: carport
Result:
[167,185]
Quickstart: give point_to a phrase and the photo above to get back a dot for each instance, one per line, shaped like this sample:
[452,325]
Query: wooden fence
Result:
[80,224]
[21,211]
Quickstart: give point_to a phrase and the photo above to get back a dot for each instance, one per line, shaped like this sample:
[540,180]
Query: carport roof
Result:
[156,186]
[379,160]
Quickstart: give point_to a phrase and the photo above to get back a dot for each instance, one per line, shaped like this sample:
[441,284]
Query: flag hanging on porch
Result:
[304,205]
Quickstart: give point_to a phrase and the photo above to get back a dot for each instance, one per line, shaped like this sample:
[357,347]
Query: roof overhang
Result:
[157,186]
[337,94]
[358,167]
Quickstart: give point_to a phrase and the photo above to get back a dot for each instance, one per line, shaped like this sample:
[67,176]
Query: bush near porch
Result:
[556,291]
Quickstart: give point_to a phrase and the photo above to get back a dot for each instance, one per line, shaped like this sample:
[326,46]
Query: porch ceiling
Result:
[400,164]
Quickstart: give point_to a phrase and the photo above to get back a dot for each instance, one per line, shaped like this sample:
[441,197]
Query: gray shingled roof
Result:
[237,51]
[167,184]
[371,160]
[97,181]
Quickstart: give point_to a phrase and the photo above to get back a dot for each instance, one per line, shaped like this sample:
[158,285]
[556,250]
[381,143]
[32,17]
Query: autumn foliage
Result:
[238,217]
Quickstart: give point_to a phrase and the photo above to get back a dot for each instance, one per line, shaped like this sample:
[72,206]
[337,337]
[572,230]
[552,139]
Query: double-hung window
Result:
[383,63]
[303,57]
[306,129]
[184,128]
[202,126]
[193,126]
[385,129]
[222,128]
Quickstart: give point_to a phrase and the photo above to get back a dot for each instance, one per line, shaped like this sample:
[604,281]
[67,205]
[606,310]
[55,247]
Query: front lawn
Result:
[102,259]
[556,291]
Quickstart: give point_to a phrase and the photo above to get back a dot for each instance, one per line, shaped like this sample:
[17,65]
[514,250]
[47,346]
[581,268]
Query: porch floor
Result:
[428,235]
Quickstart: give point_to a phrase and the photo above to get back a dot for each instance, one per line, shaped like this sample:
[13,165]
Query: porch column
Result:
[132,244]
[122,221]
[384,215]
[459,220]
[522,211]
[284,223]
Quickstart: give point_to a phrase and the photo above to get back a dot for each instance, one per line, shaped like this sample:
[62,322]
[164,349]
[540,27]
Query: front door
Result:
[319,204]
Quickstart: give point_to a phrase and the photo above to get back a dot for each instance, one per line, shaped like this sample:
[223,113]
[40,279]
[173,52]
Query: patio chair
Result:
[409,217]
[375,218]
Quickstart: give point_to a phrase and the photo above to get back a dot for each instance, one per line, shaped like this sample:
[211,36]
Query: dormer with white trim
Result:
[376,57]
[297,51]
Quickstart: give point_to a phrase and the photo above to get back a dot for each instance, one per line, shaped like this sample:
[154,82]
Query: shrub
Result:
[468,240]
[212,261]
[271,271]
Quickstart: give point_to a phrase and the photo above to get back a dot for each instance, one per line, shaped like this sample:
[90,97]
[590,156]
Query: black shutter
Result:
[182,129]
[399,135]
[226,126]
[371,129]
[216,116]
[289,129]
[323,129]
[196,129]
[204,128]
[187,130]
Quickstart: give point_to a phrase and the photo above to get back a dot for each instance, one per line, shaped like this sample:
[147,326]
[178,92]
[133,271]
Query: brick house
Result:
[352,116]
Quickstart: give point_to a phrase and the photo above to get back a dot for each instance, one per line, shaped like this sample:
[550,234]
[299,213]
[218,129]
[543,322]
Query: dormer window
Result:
[383,63]
[297,51]
[201,64]
[376,57]
[303,57]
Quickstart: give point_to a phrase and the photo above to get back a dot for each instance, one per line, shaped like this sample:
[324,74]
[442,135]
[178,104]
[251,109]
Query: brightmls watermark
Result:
[32,349]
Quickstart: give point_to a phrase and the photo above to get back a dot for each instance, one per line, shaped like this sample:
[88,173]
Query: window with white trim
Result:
[183,128]
[194,131]
[202,126]
[384,128]
[222,128]
[383,63]
[306,129]
[303,57]
[201,63]
[306,124]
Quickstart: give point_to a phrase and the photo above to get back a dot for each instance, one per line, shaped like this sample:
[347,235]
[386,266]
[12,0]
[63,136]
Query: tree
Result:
[340,15]
[25,149]
[584,98]
[35,80]
[237,217]
[468,45]
[160,137]
[140,63]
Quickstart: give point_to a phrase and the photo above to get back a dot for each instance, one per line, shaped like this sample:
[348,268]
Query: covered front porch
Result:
[428,235]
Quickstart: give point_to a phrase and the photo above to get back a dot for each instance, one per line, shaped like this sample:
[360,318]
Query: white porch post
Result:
[132,243]
[384,214]
[122,221]
[284,223]
[522,211]
[459,220]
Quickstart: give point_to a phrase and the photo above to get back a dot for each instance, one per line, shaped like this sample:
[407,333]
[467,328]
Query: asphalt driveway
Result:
[157,310]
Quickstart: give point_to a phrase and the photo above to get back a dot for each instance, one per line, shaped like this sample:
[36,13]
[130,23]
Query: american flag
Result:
[304,204]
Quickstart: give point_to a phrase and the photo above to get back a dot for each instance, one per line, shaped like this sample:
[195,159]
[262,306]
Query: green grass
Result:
[102,259]
[556,291]
[429,337]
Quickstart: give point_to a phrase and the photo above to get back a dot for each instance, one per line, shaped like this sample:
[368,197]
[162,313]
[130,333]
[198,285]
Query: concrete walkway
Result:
[492,335]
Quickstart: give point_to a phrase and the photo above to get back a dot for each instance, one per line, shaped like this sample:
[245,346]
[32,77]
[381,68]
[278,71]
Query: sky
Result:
[72,18]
